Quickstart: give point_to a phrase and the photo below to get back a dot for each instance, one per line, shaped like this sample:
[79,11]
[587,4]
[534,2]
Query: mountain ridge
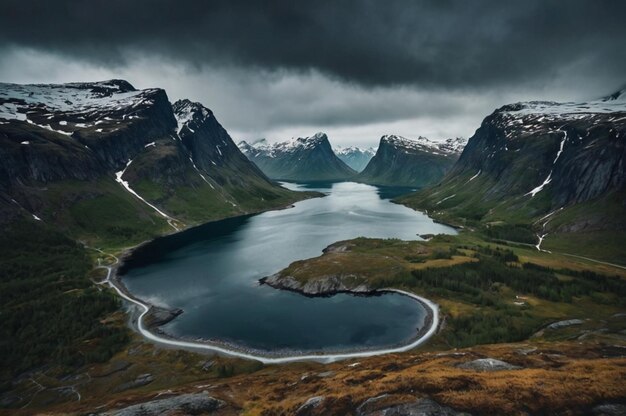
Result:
[73,154]
[556,170]
[304,159]
[412,163]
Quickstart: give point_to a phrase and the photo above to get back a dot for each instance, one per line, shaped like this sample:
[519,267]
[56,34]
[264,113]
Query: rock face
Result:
[573,152]
[308,407]
[415,163]
[187,404]
[141,380]
[76,131]
[302,159]
[158,316]
[421,407]
[564,324]
[320,286]
[539,161]
[355,157]
[212,150]
[609,410]
[64,147]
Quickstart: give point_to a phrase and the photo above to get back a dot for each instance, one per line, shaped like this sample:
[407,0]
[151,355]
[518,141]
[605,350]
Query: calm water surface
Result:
[211,272]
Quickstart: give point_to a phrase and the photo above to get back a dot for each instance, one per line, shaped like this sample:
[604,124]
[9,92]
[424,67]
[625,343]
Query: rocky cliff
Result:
[573,152]
[105,158]
[320,286]
[558,168]
[416,163]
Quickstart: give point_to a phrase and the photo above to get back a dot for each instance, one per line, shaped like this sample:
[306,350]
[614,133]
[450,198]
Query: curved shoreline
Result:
[423,335]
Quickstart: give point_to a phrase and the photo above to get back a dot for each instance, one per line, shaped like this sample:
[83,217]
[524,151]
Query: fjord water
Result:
[212,273]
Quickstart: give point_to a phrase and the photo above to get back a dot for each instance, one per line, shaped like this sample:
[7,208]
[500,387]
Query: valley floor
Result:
[550,340]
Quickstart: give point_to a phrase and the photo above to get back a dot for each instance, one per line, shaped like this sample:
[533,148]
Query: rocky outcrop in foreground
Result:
[421,407]
[185,404]
[488,364]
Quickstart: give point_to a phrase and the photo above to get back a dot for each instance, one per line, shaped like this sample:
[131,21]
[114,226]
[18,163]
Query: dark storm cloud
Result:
[452,44]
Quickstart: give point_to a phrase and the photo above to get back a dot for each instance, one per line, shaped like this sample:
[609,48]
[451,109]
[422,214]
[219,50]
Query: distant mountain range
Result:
[555,171]
[301,159]
[104,160]
[355,157]
[416,163]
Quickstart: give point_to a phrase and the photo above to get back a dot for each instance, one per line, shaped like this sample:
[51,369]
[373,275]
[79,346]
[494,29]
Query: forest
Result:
[51,311]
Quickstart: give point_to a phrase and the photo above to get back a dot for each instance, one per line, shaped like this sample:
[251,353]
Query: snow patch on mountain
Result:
[539,188]
[346,151]
[273,150]
[187,112]
[126,185]
[16,100]
[532,115]
[422,144]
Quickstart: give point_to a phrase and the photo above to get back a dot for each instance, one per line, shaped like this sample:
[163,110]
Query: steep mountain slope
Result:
[106,161]
[355,157]
[556,169]
[404,162]
[302,159]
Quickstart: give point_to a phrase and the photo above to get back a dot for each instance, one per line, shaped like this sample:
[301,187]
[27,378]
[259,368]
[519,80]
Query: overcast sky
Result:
[353,69]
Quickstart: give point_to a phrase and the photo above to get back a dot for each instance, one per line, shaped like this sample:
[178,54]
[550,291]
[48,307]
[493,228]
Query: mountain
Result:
[403,162]
[355,157]
[104,160]
[544,168]
[302,159]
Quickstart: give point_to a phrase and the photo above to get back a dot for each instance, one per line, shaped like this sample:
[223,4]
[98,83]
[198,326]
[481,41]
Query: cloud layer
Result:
[289,68]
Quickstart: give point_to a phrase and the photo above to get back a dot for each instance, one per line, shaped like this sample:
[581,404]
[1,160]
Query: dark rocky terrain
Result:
[415,163]
[64,147]
[557,168]
[302,159]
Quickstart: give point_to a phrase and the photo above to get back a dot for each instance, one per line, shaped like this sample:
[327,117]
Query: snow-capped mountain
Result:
[455,145]
[404,162]
[301,159]
[107,144]
[355,157]
[575,151]
[562,161]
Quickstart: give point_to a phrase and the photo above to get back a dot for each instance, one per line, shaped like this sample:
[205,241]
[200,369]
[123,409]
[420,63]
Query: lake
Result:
[212,273]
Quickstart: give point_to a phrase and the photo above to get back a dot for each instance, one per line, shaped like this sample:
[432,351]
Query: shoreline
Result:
[151,332]
[430,327]
[431,324]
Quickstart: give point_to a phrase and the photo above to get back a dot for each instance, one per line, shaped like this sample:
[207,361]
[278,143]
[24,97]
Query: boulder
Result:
[488,364]
[196,403]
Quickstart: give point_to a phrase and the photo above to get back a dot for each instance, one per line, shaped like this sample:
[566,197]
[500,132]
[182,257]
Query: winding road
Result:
[323,358]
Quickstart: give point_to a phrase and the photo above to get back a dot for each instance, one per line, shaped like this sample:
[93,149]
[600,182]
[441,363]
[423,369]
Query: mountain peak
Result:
[108,87]
[617,96]
[189,113]
[302,158]
[615,102]
[23,102]
[422,144]
[404,162]
[314,140]
[119,85]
